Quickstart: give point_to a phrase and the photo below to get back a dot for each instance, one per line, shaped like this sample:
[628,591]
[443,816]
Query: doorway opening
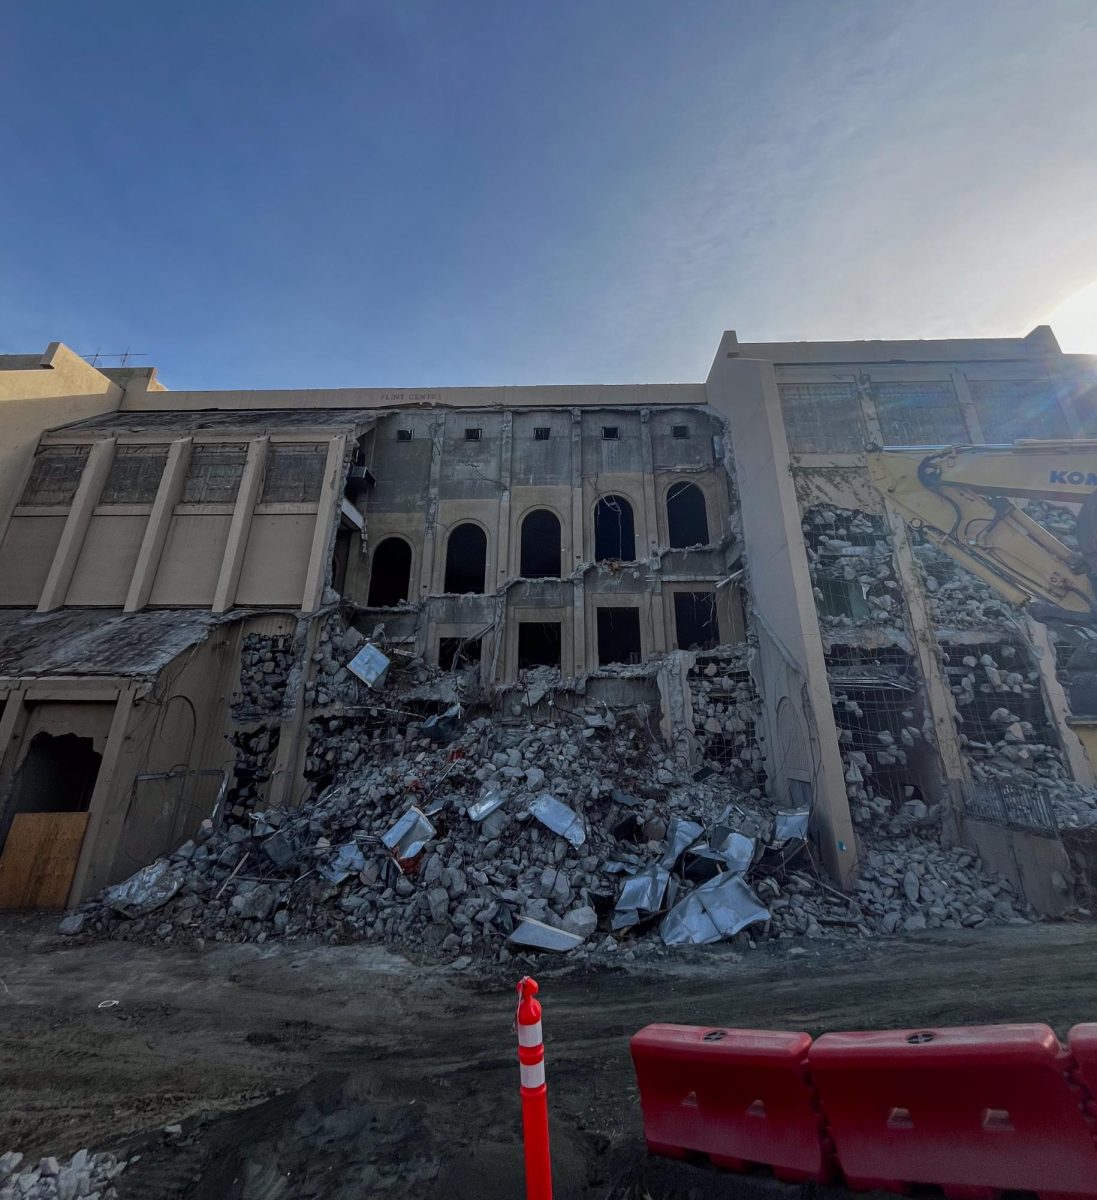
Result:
[58,775]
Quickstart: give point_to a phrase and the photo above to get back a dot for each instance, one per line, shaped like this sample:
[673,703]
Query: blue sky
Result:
[336,193]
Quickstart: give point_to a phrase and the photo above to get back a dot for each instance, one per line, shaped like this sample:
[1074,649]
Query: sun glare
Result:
[1074,322]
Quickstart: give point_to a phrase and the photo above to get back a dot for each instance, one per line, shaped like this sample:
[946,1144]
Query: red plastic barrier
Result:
[973,1110]
[740,1096]
[1083,1045]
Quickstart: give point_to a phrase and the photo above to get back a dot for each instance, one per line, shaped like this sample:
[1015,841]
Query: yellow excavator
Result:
[962,499]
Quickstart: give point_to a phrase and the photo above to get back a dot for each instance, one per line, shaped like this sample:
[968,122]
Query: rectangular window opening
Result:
[294,473]
[680,431]
[538,644]
[55,475]
[403,435]
[472,435]
[611,433]
[695,622]
[214,474]
[619,636]
[541,433]
[455,653]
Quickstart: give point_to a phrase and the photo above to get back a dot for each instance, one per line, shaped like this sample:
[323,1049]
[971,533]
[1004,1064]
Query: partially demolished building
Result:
[185,577]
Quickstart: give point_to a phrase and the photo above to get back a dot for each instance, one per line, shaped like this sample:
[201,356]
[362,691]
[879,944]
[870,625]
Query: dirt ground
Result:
[323,1071]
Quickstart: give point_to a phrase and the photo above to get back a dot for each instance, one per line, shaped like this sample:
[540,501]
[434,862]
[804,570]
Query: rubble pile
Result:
[852,569]
[725,713]
[265,663]
[957,598]
[332,681]
[464,839]
[1075,806]
[909,885]
[1000,714]
[85,1176]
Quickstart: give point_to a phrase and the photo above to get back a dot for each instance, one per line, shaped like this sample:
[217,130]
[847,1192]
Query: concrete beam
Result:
[324,529]
[87,496]
[156,531]
[797,694]
[224,595]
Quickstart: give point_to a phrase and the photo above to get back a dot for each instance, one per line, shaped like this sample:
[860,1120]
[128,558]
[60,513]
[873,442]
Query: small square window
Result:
[472,435]
[680,431]
[611,433]
[403,435]
[541,433]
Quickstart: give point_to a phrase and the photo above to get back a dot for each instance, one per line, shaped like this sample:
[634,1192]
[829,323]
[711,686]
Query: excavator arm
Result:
[962,499]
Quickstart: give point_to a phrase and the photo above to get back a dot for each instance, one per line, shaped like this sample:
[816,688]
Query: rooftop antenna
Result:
[123,358]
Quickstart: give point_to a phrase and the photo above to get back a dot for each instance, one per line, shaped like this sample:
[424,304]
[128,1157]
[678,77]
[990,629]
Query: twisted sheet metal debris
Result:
[680,836]
[348,860]
[559,818]
[643,894]
[791,824]
[369,665]
[540,936]
[715,911]
[486,805]
[409,835]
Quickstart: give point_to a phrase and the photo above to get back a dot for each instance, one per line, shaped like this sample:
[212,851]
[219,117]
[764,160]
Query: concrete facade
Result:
[592,531]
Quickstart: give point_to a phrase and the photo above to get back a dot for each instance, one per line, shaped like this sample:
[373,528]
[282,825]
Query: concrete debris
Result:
[84,1176]
[726,712]
[852,568]
[444,850]
[1000,714]
[265,664]
[957,598]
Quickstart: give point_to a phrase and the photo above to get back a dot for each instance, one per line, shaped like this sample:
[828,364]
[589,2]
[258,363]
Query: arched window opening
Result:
[466,559]
[687,517]
[614,530]
[390,578]
[540,545]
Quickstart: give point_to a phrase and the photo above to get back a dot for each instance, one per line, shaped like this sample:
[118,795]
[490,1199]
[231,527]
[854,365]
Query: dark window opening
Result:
[134,475]
[695,621]
[538,644]
[687,517]
[618,636]
[294,474]
[390,577]
[455,654]
[614,530]
[541,433]
[57,775]
[680,431]
[540,545]
[214,474]
[611,433]
[472,435]
[403,435]
[466,559]
[55,475]
[340,559]
[842,598]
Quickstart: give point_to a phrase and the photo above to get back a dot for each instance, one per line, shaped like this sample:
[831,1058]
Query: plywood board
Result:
[39,859]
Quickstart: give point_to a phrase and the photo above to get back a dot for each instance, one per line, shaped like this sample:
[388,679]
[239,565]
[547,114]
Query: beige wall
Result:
[32,401]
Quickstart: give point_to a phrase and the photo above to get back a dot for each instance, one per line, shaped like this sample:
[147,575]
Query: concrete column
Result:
[967,407]
[938,696]
[287,772]
[1057,704]
[430,520]
[224,595]
[656,615]
[578,546]
[506,469]
[107,809]
[327,517]
[156,531]
[11,716]
[76,526]
[868,408]
[744,392]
